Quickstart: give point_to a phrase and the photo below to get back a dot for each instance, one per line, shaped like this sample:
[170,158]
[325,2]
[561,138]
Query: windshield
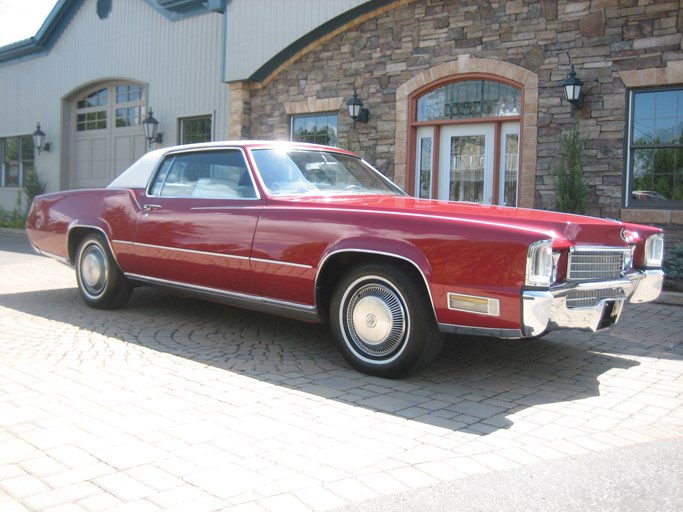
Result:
[308,172]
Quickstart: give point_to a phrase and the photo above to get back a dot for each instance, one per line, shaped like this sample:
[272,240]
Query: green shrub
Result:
[32,185]
[571,187]
[17,217]
[673,264]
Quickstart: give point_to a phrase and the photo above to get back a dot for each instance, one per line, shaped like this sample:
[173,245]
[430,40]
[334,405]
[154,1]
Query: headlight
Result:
[540,264]
[654,250]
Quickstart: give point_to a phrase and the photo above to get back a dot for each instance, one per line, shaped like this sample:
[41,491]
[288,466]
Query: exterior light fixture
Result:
[573,89]
[356,110]
[151,127]
[39,140]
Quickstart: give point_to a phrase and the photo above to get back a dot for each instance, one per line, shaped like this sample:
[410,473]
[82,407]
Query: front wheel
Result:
[100,281]
[383,322]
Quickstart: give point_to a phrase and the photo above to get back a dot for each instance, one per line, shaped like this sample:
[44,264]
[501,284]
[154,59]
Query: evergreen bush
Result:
[17,217]
[571,188]
[673,264]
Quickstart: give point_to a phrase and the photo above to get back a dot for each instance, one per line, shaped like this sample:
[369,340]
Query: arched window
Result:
[469,99]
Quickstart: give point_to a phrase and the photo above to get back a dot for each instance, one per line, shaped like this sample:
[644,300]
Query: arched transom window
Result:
[469,99]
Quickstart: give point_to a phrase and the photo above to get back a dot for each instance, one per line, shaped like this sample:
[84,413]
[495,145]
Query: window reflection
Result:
[511,163]
[656,147]
[16,160]
[467,168]
[195,129]
[658,117]
[469,99]
[425,166]
[128,93]
[316,129]
[95,99]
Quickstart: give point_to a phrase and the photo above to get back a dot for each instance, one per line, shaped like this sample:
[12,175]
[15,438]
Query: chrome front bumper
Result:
[564,306]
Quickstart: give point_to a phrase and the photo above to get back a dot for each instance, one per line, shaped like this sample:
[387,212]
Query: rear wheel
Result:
[383,322]
[100,281]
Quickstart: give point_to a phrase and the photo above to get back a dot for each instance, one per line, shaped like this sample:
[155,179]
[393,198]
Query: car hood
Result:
[560,226]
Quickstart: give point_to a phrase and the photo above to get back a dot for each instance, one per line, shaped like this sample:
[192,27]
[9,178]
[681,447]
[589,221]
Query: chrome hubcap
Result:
[376,320]
[372,320]
[94,270]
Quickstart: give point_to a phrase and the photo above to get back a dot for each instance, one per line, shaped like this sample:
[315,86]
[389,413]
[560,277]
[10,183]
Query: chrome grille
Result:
[603,263]
[589,298]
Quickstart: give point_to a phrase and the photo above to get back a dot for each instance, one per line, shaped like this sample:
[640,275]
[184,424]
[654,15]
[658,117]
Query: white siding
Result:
[180,61]
[259,29]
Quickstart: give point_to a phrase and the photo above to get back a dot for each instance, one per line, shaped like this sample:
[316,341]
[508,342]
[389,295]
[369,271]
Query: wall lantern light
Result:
[151,127]
[573,89]
[356,110]
[39,140]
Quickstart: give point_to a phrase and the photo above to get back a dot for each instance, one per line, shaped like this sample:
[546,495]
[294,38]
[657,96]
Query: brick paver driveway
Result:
[179,404]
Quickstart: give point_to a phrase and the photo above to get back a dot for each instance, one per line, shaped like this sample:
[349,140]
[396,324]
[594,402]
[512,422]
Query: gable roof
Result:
[300,44]
[64,11]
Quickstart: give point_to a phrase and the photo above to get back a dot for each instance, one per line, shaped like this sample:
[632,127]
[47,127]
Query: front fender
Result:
[336,259]
[400,249]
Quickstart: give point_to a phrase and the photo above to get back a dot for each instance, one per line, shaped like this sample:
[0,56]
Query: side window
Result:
[210,174]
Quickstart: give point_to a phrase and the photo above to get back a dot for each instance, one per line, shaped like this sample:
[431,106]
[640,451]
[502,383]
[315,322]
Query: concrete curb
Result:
[12,231]
[670,298]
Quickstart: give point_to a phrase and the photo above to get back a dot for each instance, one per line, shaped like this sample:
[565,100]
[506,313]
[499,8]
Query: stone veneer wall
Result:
[384,50]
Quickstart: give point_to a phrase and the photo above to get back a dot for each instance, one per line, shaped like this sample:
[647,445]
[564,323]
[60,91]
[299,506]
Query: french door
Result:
[476,162]
[466,163]
[509,164]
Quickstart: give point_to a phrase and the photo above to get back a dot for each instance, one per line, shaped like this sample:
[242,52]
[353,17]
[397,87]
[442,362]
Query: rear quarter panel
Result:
[54,216]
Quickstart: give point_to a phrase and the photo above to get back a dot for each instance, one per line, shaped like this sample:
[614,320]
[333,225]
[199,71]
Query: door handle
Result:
[150,207]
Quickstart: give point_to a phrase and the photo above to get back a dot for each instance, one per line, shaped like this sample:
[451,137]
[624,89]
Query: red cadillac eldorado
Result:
[315,233]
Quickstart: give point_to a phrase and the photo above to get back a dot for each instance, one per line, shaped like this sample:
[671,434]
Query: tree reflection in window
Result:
[469,99]
[195,129]
[656,148]
[316,129]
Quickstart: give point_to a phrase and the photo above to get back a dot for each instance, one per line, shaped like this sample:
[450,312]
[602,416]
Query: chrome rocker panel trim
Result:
[480,331]
[242,300]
